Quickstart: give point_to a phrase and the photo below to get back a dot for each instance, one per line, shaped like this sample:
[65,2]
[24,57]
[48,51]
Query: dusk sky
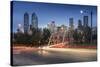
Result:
[46,12]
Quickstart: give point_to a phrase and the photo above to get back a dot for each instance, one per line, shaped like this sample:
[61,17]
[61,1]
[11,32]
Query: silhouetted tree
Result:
[45,36]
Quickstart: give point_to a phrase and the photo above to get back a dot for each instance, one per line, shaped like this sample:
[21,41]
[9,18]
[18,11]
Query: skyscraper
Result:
[34,21]
[85,21]
[71,24]
[26,23]
[71,30]
[80,25]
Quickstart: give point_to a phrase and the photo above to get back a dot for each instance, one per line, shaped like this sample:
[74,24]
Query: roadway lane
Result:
[53,56]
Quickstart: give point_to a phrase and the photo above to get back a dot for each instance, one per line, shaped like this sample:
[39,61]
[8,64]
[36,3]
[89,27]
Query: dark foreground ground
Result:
[53,56]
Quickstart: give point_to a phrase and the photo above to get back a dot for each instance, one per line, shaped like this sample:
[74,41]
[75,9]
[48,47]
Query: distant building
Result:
[85,21]
[52,27]
[63,28]
[80,27]
[48,26]
[26,23]
[71,30]
[30,27]
[30,30]
[58,28]
[71,24]
[34,21]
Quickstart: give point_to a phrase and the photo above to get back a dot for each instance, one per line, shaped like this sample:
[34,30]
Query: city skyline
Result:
[52,33]
[46,13]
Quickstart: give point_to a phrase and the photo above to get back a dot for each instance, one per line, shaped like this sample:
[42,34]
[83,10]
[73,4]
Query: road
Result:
[53,56]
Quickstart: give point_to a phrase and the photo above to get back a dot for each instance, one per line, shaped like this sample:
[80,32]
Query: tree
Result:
[36,36]
[75,36]
[87,34]
[45,36]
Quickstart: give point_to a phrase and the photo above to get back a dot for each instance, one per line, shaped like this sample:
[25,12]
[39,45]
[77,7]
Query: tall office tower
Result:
[26,23]
[34,21]
[71,24]
[80,25]
[71,30]
[85,21]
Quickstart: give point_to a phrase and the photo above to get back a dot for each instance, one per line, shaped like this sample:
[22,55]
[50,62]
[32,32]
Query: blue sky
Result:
[46,12]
